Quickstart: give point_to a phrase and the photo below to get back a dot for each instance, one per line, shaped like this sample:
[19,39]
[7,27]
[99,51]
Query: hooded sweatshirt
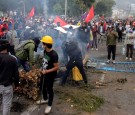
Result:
[130,37]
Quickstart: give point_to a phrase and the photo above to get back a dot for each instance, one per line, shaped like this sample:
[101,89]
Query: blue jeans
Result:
[7,96]
[24,64]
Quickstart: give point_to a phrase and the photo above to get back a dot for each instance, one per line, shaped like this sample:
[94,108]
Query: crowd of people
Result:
[20,38]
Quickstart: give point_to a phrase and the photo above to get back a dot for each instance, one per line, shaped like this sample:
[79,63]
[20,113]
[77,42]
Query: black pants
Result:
[94,43]
[71,64]
[129,50]
[111,51]
[47,91]
[120,38]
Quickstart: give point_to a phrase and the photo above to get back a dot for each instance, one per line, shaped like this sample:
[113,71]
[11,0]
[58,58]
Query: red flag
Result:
[32,12]
[90,14]
[59,20]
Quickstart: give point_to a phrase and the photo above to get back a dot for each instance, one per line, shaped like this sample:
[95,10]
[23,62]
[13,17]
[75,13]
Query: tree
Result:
[74,7]
[6,5]
[104,7]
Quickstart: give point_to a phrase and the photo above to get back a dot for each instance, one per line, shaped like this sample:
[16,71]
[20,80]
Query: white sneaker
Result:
[42,101]
[130,59]
[48,109]
[113,62]
[126,58]
[108,61]
[96,49]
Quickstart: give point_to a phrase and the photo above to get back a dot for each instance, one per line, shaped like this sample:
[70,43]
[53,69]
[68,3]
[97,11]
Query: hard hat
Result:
[47,40]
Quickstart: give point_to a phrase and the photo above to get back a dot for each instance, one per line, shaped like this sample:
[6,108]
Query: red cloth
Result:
[5,26]
[1,33]
[105,26]
[90,14]
[58,19]
[32,13]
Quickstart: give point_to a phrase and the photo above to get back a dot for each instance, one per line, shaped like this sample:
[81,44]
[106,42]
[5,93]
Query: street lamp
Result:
[23,6]
[65,8]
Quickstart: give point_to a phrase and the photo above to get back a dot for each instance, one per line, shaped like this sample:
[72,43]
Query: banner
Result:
[90,14]
[60,21]
[32,13]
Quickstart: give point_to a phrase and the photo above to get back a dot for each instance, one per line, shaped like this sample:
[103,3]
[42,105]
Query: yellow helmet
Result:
[47,40]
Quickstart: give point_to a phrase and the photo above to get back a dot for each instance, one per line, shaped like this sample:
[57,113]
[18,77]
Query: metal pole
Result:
[129,10]
[45,8]
[65,8]
[23,3]
[24,7]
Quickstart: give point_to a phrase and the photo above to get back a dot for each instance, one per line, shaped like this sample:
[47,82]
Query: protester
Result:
[75,59]
[101,31]
[25,53]
[49,71]
[94,33]
[127,26]
[83,35]
[111,43]
[120,30]
[9,75]
[129,43]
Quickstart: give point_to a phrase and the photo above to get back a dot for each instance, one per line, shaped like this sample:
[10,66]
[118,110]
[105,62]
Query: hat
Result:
[4,44]
[36,40]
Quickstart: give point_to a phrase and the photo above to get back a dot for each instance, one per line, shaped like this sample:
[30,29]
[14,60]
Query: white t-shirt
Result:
[127,28]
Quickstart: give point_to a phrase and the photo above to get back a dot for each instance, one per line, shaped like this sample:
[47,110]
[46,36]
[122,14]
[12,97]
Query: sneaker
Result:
[108,61]
[126,58]
[130,59]
[113,62]
[48,109]
[96,49]
[42,101]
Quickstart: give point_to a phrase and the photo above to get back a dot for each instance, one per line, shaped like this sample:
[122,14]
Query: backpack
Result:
[72,48]
[20,48]
[71,45]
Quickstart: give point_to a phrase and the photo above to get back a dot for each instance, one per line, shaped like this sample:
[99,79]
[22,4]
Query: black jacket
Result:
[83,34]
[8,70]
[72,49]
